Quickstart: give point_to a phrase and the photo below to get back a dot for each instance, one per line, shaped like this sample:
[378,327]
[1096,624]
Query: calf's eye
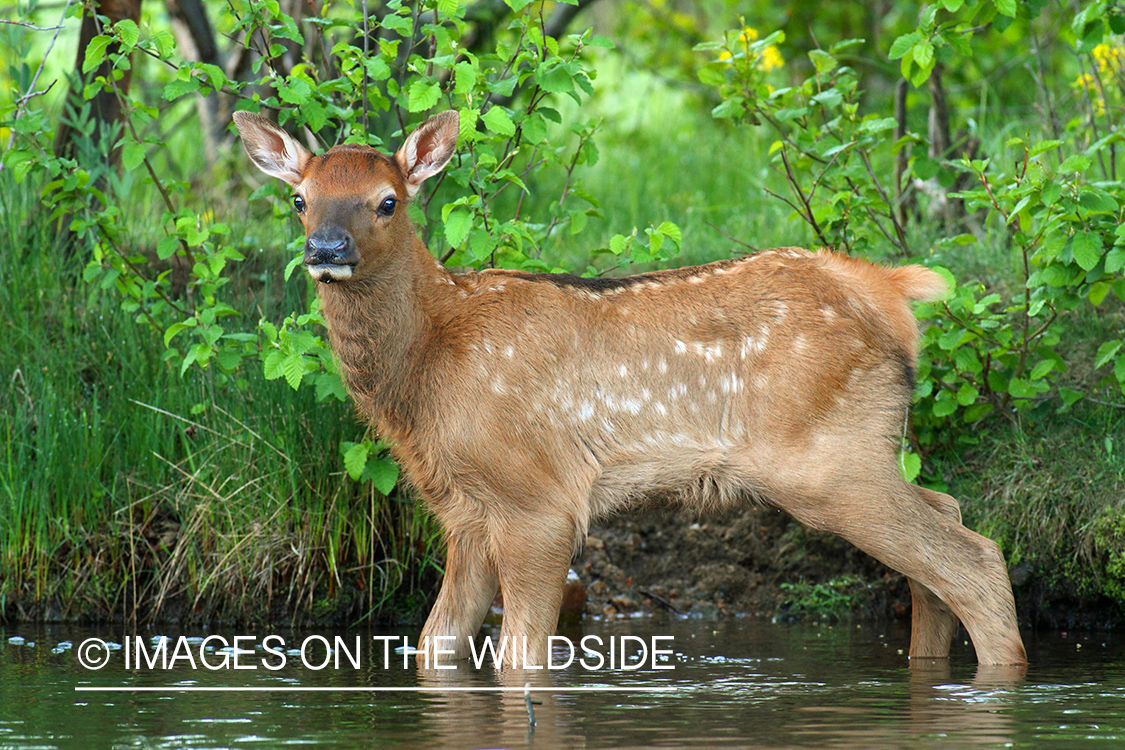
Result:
[387,207]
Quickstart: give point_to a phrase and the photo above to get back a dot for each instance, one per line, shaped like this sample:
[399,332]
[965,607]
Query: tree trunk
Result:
[104,109]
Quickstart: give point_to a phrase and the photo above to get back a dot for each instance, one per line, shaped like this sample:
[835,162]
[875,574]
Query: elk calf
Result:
[522,406]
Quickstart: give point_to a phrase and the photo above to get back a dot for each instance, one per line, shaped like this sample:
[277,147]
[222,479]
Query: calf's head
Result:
[351,199]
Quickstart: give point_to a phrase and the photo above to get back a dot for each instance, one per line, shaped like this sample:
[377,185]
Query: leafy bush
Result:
[1053,200]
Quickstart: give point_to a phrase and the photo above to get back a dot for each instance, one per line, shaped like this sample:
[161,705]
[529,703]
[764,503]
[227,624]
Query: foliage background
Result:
[177,442]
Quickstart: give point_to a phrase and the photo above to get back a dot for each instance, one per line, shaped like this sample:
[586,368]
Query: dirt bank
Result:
[761,562]
[757,561]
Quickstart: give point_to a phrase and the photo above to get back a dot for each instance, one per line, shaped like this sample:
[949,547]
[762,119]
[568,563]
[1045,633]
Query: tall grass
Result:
[127,490]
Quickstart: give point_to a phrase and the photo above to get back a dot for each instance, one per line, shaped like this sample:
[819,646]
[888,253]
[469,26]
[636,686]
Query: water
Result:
[733,683]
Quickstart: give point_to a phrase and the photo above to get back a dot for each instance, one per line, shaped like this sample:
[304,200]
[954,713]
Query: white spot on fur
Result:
[510,352]
[622,371]
[679,347]
[661,409]
[585,411]
[662,365]
[631,405]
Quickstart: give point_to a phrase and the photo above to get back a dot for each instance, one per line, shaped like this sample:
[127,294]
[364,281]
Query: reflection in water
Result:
[499,719]
[736,683]
[977,715]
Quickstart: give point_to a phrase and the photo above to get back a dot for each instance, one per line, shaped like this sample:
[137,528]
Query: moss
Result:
[828,600]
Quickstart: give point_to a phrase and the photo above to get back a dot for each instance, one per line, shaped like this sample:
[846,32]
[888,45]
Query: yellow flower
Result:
[768,59]
[1109,58]
[771,59]
[748,35]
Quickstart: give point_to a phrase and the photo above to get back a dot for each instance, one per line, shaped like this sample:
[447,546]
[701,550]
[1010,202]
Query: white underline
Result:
[300,689]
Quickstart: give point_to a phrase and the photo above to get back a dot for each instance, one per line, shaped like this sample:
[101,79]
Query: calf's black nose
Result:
[330,246]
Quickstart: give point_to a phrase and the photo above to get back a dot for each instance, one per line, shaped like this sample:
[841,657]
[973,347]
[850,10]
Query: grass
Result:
[129,491]
[1050,493]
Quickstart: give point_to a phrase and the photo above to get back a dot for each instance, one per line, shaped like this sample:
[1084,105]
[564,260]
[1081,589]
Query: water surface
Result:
[732,683]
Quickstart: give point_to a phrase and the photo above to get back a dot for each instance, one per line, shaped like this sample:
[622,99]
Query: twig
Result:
[731,238]
[35,79]
[31,26]
[661,600]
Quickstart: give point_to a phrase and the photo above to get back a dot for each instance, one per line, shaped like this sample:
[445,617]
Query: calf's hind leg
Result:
[932,624]
[900,527]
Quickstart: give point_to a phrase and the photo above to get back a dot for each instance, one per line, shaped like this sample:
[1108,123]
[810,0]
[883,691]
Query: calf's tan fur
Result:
[522,406]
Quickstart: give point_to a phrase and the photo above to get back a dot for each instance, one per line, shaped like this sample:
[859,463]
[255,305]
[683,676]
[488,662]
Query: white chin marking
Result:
[328,272]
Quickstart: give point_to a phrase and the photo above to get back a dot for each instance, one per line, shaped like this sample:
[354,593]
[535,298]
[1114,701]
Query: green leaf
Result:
[1042,369]
[1006,7]
[164,42]
[878,125]
[423,95]
[457,226]
[402,25]
[466,75]
[1098,292]
[555,79]
[499,122]
[176,328]
[1044,146]
[271,365]
[167,247]
[1075,163]
[822,61]
[330,386]
[1097,201]
[128,32]
[448,8]
[229,359]
[383,473]
[1070,396]
[709,76]
[903,44]
[518,5]
[355,458]
[95,52]
[829,98]
[1087,249]
[293,367]
[1021,388]
[1115,259]
[909,465]
[132,155]
[1106,352]
[945,404]
[924,53]
[976,412]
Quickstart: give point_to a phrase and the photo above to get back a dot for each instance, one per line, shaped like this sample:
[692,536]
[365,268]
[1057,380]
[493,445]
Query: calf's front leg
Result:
[467,590]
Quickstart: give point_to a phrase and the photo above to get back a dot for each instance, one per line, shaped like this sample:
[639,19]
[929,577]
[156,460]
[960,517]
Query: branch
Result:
[31,92]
